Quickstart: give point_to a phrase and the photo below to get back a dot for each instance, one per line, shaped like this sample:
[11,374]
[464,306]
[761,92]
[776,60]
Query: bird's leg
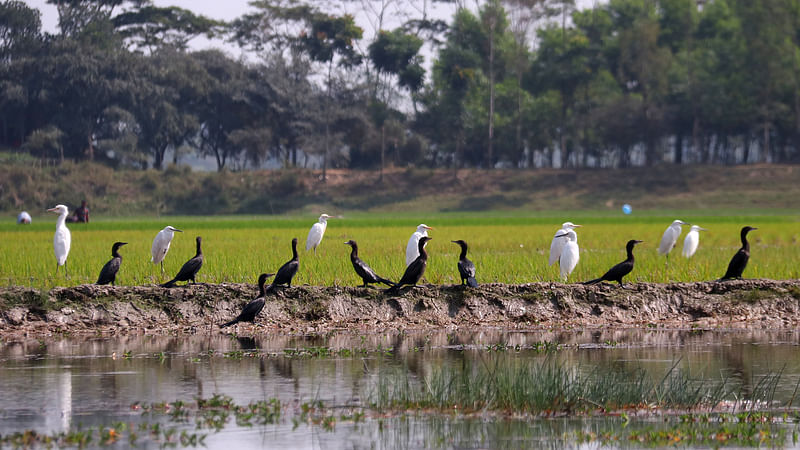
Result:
[66,272]
[56,268]
[162,267]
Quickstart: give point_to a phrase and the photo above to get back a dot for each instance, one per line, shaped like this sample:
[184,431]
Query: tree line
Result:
[511,83]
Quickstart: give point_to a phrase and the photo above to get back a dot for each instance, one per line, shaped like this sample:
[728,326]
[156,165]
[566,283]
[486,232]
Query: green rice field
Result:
[507,247]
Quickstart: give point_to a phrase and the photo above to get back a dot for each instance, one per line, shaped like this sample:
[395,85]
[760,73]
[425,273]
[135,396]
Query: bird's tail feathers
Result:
[232,322]
[387,282]
[170,283]
[595,281]
[472,282]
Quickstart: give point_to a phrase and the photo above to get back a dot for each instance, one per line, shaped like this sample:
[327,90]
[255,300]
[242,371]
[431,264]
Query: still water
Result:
[57,385]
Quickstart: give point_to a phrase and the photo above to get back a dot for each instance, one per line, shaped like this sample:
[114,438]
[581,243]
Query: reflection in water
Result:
[57,385]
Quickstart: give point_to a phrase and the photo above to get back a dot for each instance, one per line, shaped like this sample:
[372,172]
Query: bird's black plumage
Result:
[620,270]
[362,269]
[287,271]
[251,310]
[416,269]
[190,267]
[108,274]
[740,259]
[465,267]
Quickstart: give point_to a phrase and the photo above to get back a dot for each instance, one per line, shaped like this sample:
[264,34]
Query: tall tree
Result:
[331,38]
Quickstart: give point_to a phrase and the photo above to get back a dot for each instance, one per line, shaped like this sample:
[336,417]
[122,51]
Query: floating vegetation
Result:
[549,387]
[705,430]
[102,436]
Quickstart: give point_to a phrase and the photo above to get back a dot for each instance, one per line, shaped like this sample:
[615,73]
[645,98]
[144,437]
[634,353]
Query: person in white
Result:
[412,248]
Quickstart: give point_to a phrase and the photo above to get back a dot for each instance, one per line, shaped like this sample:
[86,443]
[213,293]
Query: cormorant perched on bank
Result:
[739,260]
[362,269]
[287,271]
[108,274]
[620,270]
[189,269]
[416,269]
[465,267]
[251,310]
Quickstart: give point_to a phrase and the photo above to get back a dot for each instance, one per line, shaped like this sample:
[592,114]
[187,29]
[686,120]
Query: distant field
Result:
[506,247]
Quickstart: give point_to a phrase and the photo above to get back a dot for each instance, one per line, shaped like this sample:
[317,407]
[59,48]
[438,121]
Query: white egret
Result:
[62,238]
[412,250]
[670,237]
[316,232]
[570,253]
[161,245]
[557,243]
[691,240]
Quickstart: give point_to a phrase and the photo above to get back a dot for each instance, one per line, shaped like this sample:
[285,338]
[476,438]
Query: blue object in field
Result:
[626,208]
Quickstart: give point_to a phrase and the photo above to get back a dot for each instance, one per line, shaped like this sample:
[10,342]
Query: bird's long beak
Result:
[179,231]
[51,210]
[576,226]
[702,229]
[123,243]
[428,228]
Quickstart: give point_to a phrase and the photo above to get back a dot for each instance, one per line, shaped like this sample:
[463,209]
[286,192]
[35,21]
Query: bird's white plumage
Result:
[62,238]
[412,248]
[670,237]
[691,241]
[161,244]
[558,243]
[570,254]
[316,232]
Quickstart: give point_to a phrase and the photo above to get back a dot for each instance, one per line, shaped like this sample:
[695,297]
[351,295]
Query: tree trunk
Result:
[90,149]
[383,149]
[489,156]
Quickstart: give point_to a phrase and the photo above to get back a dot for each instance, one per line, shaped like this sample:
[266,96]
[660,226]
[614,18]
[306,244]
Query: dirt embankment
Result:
[309,309]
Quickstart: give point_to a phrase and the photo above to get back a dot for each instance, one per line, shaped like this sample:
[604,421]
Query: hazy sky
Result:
[231,9]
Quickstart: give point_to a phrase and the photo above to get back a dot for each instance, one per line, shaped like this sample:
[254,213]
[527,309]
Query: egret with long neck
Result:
[62,238]
[316,233]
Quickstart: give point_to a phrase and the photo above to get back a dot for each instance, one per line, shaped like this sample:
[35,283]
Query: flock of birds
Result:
[563,249]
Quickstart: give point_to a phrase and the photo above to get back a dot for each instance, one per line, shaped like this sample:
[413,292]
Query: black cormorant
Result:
[287,271]
[739,260]
[189,269]
[416,269]
[620,270]
[251,310]
[108,274]
[362,269]
[465,267]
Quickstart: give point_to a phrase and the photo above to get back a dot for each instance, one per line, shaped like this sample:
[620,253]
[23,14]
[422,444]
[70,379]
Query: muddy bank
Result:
[310,309]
